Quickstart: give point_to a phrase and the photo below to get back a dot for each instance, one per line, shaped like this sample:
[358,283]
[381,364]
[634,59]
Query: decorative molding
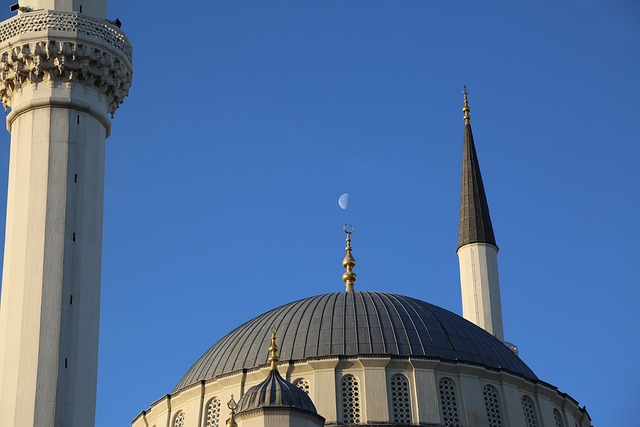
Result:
[75,48]
[57,102]
[49,60]
[67,22]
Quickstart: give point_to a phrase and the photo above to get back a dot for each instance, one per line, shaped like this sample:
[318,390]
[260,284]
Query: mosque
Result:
[338,359]
[376,358]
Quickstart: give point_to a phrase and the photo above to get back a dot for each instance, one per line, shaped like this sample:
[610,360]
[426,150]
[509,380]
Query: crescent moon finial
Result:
[349,277]
[232,404]
[466,109]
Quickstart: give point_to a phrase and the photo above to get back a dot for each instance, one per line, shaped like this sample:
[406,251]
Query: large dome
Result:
[350,324]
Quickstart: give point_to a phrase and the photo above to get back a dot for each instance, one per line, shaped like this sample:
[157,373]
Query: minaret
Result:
[477,249]
[63,70]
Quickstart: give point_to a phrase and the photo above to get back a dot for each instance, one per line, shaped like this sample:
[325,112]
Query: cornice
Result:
[50,46]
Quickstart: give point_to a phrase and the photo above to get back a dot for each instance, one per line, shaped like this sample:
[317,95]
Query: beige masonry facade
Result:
[376,400]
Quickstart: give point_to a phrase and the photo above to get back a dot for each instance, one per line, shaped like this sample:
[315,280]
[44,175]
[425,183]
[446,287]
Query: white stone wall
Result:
[49,313]
[277,419]
[374,378]
[480,286]
[95,8]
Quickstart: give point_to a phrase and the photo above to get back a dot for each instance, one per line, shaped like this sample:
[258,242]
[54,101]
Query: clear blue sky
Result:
[247,120]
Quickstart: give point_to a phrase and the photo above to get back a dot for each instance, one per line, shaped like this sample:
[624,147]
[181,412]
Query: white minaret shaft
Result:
[63,69]
[477,249]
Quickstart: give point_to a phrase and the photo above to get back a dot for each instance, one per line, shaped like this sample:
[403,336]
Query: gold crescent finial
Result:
[349,277]
[466,109]
[273,351]
[232,405]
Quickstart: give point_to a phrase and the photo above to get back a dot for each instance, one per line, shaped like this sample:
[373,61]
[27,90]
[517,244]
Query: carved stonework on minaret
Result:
[51,46]
[63,69]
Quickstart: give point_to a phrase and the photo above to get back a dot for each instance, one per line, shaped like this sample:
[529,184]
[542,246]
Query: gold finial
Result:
[232,405]
[273,351]
[349,277]
[466,108]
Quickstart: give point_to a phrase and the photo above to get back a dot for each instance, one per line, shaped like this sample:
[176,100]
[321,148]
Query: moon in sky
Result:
[343,201]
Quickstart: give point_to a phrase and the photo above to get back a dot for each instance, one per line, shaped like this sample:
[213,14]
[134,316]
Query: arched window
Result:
[492,404]
[529,411]
[449,403]
[302,384]
[400,402]
[213,413]
[350,400]
[178,420]
[558,418]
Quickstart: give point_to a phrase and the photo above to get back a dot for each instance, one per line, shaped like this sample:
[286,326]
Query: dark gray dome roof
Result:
[358,323]
[275,392]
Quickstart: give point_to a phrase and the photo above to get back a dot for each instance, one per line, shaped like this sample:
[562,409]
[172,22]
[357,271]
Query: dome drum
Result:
[373,376]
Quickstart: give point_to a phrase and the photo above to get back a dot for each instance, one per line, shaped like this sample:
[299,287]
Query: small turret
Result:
[276,397]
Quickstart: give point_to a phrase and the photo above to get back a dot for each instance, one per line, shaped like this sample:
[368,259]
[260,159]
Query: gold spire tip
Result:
[273,351]
[466,108]
[232,405]
[349,277]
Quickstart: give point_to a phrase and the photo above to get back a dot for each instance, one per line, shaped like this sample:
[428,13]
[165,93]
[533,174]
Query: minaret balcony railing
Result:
[68,24]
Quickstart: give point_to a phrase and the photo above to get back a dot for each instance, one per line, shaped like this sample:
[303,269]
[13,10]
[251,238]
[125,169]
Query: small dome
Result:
[356,324]
[275,392]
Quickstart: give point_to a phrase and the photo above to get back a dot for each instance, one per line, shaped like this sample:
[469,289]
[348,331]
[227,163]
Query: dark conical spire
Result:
[475,221]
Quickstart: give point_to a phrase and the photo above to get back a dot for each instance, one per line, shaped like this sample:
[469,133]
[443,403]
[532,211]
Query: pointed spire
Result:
[349,277]
[475,221]
[273,352]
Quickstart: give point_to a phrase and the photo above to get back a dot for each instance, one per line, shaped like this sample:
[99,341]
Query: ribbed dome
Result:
[275,392]
[350,324]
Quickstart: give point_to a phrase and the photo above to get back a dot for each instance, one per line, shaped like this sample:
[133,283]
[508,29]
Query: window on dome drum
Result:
[302,384]
[449,403]
[400,402]
[529,412]
[350,400]
[558,418]
[178,421]
[213,412]
[492,404]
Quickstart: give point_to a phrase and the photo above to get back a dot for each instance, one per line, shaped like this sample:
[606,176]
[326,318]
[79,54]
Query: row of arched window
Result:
[213,415]
[400,404]
[492,406]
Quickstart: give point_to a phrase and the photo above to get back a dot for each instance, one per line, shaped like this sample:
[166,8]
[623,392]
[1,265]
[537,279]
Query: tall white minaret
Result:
[63,70]
[477,249]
